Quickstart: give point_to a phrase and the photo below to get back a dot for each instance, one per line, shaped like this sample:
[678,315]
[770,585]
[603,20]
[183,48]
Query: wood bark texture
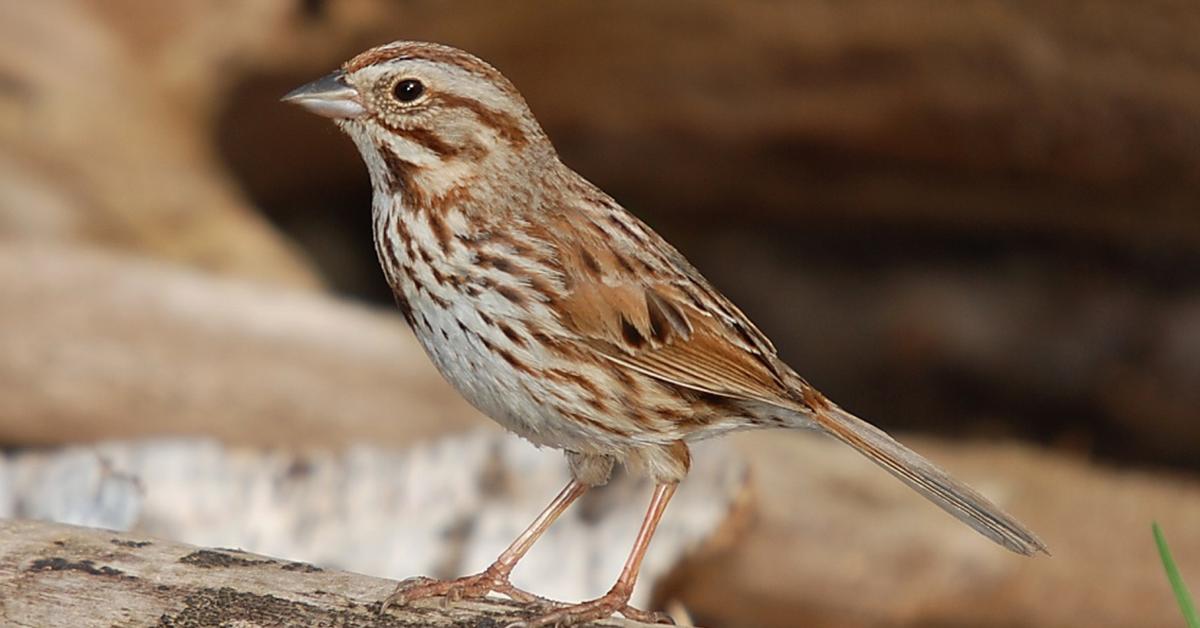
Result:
[58,575]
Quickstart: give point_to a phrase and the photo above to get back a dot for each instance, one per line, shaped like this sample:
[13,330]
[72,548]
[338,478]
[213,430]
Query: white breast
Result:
[459,333]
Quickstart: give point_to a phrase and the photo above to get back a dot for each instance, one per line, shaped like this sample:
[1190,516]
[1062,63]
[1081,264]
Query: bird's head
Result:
[429,114]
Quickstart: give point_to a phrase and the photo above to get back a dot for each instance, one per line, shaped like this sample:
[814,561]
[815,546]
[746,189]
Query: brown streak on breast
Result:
[439,301]
[542,286]
[575,379]
[487,260]
[397,267]
[405,236]
[441,231]
[557,345]
[456,196]
[512,360]
[404,307]
[400,177]
[593,399]
[512,335]
[438,277]
[512,294]
[626,379]
[579,417]
[420,287]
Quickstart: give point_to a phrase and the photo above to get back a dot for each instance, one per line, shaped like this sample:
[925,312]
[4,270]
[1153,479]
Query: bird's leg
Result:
[617,598]
[495,577]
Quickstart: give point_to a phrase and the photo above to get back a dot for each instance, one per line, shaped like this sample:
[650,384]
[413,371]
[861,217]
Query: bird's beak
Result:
[330,96]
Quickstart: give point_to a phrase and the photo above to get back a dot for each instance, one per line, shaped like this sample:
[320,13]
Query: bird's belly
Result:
[493,376]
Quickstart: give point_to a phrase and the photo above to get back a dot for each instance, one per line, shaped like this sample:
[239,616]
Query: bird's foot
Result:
[616,601]
[491,580]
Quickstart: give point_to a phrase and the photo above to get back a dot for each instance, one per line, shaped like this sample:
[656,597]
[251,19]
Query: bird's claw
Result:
[600,608]
[465,588]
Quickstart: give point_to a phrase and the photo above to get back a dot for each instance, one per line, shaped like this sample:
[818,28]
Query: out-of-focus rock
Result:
[836,541]
[443,509]
[95,146]
[95,345]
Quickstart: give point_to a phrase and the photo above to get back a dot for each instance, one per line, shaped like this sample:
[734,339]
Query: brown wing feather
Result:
[648,322]
[671,324]
[706,361]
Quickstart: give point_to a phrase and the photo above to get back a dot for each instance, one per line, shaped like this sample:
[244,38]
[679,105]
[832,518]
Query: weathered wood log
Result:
[59,575]
[441,509]
[96,345]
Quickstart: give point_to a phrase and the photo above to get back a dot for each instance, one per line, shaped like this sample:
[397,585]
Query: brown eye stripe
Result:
[507,126]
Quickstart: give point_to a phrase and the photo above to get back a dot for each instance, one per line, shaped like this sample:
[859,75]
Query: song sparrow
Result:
[561,315]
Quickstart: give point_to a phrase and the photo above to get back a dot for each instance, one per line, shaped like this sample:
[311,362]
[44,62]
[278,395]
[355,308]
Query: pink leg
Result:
[617,598]
[495,577]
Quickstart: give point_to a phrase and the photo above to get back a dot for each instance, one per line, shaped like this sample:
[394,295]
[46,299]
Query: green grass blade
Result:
[1181,592]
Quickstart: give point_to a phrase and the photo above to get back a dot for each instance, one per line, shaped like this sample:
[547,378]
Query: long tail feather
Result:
[953,496]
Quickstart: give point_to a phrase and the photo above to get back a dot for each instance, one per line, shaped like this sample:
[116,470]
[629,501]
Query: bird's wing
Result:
[641,305]
[645,308]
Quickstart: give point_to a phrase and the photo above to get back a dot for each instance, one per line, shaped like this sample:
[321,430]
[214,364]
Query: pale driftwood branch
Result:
[442,509]
[58,575]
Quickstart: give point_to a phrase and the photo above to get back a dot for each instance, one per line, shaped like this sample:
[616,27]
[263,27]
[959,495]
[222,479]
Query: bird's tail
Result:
[935,484]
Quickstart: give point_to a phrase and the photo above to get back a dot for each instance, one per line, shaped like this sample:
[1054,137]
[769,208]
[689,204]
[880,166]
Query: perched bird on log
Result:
[562,316]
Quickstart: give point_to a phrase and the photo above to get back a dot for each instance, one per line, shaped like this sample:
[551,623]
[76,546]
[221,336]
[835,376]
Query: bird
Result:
[562,316]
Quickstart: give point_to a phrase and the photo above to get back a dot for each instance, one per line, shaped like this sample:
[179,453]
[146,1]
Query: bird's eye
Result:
[408,90]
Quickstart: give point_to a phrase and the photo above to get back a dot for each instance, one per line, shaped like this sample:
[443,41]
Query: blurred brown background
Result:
[975,220]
